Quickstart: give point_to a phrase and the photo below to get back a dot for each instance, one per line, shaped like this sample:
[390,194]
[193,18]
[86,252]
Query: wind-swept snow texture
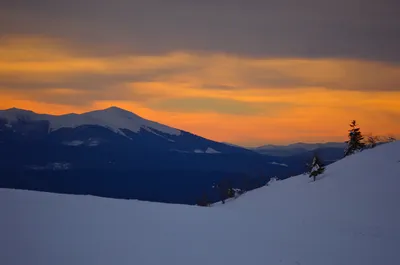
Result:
[349,216]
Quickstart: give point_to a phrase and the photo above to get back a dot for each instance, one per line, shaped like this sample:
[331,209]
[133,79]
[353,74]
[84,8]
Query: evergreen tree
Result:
[231,192]
[371,141]
[226,190]
[316,167]
[354,143]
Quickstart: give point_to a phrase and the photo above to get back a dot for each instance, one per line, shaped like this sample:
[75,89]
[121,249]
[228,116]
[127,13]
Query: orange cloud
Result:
[227,98]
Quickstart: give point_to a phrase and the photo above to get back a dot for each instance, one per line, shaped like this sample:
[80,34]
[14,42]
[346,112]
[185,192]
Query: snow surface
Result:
[53,166]
[349,216]
[179,151]
[212,151]
[74,143]
[159,135]
[113,118]
[209,150]
[94,143]
[90,142]
[279,164]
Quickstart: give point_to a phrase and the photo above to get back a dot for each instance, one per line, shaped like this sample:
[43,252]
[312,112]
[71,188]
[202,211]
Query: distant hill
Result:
[296,148]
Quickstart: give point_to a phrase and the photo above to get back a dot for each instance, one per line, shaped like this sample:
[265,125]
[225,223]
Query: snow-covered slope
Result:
[349,216]
[113,118]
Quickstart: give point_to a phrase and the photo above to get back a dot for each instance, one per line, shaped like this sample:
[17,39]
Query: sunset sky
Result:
[248,72]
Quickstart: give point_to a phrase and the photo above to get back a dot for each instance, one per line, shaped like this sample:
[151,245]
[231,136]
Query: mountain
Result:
[104,126]
[116,153]
[297,148]
[350,215]
[234,145]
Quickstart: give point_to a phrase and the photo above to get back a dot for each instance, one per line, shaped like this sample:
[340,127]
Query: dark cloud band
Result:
[308,29]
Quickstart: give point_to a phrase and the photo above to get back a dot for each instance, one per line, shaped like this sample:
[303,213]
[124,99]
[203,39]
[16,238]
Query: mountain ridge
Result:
[112,117]
[298,148]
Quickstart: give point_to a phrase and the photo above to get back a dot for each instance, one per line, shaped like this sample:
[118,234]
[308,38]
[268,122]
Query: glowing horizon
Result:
[265,101]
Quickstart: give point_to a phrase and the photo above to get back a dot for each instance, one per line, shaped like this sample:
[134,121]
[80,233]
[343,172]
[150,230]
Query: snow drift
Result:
[349,216]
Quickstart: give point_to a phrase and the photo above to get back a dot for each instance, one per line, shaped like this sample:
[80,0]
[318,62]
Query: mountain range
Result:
[296,148]
[116,153]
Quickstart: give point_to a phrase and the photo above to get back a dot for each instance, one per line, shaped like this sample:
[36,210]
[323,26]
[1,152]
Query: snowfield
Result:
[349,216]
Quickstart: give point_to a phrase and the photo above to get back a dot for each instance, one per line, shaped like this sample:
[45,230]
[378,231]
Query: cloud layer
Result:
[286,28]
[243,71]
[243,99]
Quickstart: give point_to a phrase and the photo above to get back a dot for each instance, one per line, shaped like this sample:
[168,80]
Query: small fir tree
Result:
[316,167]
[371,141]
[231,192]
[355,142]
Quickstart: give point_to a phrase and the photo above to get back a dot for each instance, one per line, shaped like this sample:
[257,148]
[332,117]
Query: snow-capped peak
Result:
[118,118]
